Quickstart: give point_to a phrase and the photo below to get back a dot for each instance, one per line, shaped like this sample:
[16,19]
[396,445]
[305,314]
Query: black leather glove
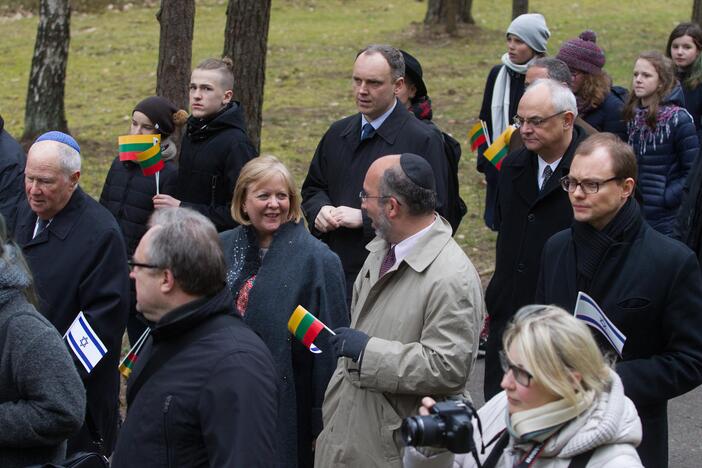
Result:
[349,342]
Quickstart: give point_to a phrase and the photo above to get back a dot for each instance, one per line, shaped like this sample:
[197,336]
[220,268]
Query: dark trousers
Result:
[493,370]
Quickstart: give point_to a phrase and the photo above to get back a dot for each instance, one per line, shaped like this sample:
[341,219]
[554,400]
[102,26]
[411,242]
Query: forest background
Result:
[113,59]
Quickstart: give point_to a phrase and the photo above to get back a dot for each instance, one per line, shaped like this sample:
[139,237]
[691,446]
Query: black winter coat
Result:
[516,91]
[526,218]
[128,193]
[608,116]
[665,157]
[211,158]
[693,103]
[212,403]
[79,263]
[297,270]
[12,162]
[650,287]
[340,164]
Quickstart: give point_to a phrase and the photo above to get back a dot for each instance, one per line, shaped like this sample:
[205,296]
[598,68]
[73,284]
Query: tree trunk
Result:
[451,13]
[438,11]
[47,78]
[519,7]
[177,19]
[697,11]
[246,43]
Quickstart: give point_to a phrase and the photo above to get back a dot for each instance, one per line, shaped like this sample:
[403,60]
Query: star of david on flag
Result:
[84,342]
[587,310]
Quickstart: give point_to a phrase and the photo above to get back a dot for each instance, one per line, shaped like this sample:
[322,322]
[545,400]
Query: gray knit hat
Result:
[531,28]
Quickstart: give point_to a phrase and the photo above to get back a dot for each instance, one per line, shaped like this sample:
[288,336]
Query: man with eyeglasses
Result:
[648,285]
[204,388]
[530,208]
[416,314]
[78,258]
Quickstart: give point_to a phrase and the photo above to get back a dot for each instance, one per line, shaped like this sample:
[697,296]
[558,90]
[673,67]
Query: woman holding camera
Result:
[562,405]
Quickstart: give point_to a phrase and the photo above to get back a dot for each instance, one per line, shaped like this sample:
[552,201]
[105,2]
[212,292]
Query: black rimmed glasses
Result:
[518,121]
[589,187]
[133,264]
[522,377]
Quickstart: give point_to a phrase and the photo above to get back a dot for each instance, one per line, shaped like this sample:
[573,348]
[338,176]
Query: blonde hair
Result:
[553,345]
[255,171]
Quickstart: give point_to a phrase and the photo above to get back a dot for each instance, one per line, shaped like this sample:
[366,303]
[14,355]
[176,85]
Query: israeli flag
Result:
[84,342]
[315,349]
[587,310]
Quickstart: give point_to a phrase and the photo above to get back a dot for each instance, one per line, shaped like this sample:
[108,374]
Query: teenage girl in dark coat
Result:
[128,193]
[526,39]
[684,46]
[663,136]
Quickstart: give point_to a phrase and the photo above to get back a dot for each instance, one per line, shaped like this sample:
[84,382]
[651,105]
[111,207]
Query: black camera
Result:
[448,427]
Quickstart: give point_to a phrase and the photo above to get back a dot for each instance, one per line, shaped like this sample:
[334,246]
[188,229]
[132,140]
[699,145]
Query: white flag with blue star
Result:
[84,342]
[587,310]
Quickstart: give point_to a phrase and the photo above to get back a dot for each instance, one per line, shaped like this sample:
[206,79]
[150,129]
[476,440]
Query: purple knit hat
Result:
[582,54]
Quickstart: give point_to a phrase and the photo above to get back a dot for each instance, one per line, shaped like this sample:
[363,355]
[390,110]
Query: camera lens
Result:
[423,431]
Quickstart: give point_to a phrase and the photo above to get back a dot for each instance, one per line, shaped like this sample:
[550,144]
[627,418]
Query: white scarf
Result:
[499,107]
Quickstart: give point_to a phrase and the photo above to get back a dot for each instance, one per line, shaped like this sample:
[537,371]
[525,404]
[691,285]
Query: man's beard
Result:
[382,226]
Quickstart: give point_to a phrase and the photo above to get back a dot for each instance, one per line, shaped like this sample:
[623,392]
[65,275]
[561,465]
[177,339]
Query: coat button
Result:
[521,267]
[531,217]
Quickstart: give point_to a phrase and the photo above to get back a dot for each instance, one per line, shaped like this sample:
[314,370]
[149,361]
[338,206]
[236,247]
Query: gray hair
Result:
[556,69]
[418,200]
[562,98]
[69,158]
[187,243]
[392,55]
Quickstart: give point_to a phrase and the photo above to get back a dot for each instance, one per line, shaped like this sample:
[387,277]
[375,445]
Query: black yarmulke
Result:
[418,170]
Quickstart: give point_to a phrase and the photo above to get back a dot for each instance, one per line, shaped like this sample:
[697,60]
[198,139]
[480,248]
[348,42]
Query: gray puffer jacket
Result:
[611,426]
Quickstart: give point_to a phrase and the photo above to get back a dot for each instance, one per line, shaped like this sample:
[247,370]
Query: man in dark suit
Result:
[330,193]
[77,255]
[647,284]
[531,207]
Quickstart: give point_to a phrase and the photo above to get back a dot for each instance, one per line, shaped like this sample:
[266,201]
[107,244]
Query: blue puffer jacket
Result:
[608,116]
[664,155]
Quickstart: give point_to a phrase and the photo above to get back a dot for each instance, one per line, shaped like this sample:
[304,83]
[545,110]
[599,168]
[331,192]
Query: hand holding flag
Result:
[306,327]
[84,342]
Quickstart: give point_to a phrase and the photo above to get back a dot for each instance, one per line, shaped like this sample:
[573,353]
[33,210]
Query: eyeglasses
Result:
[522,377]
[518,121]
[133,264]
[589,187]
[363,195]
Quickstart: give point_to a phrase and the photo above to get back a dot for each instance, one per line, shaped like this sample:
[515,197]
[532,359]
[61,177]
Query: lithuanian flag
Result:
[131,145]
[499,148]
[477,136]
[305,327]
[150,160]
[127,364]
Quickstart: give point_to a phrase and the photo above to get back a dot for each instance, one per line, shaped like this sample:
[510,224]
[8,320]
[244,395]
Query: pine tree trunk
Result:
[697,11]
[246,43]
[45,109]
[177,19]
[519,7]
[437,12]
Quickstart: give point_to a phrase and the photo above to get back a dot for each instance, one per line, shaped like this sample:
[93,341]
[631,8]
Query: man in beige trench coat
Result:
[416,313]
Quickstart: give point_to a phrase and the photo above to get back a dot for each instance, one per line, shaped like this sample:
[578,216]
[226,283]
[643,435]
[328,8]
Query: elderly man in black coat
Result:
[647,284]
[330,193]
[12,161]
[77,256]
[531,207]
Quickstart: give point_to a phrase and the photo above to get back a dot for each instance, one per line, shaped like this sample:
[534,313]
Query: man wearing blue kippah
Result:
[79,262]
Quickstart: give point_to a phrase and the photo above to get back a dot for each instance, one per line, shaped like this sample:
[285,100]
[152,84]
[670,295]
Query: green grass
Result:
[312,44]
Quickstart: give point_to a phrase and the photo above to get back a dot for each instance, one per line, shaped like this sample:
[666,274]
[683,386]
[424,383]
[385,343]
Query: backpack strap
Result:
[497,450]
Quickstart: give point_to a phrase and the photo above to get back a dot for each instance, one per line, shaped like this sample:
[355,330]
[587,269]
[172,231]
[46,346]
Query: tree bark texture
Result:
[438,12]
[246,43]
[519,7]
[697,12]
[177,20]
[45,109]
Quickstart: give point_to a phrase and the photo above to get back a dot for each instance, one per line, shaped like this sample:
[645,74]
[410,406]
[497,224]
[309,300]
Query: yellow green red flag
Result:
[476,136]
[499,148]
[305,327]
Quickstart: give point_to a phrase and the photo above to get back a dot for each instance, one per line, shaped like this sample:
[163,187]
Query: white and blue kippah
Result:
[60,137]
